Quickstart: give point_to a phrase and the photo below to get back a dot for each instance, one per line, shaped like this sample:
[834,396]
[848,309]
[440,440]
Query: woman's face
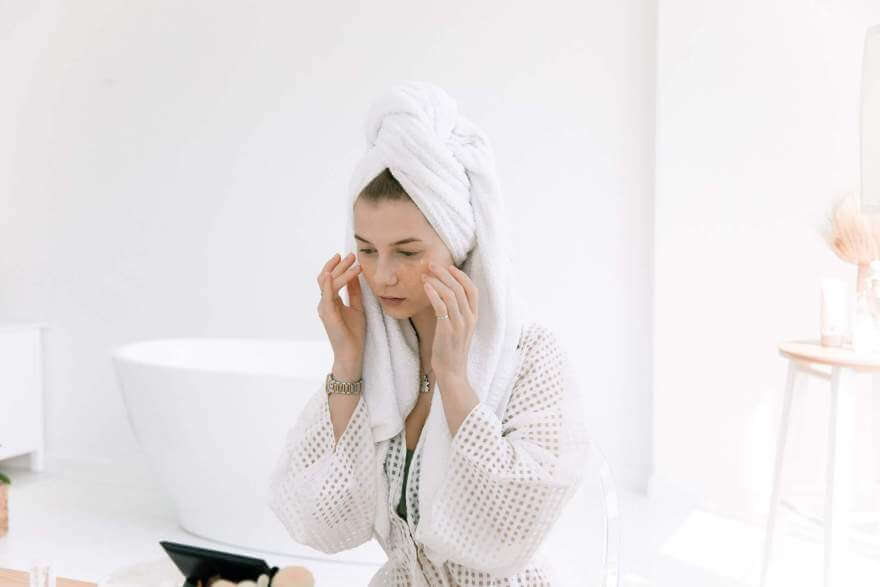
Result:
[391,268]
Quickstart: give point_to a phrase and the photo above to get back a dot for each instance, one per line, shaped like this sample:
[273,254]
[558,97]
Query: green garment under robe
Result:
[401,507]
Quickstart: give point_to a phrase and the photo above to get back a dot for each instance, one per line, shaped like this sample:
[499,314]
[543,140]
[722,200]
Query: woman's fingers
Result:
[327,287]
[470,289]
[343,265]
[335,266]
[338,272]
[436,301]
[449,289]
[354,291]
[343,273]
[446,300]
[328,266]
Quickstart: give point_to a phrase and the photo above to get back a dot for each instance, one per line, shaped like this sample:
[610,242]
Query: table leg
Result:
[794,376]
[838,489]
[875,438]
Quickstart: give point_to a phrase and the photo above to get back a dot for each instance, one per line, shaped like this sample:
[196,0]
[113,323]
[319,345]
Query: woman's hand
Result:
[451,292]
[346,326]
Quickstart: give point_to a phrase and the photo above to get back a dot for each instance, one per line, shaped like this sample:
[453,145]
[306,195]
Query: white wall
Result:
[178,169]
[757,131]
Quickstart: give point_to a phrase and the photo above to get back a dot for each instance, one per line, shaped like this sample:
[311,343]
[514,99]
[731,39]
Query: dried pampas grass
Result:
[853,235]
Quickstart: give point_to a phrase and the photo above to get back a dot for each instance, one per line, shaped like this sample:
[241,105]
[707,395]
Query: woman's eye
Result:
[405,253]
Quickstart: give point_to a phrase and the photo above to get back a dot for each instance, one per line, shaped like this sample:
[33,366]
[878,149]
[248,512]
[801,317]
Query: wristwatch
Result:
[333,385]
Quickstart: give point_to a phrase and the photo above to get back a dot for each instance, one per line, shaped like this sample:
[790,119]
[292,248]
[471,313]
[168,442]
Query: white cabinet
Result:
[22,392]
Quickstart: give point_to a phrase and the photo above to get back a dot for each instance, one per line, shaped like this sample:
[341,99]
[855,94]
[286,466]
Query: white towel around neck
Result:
[446,165]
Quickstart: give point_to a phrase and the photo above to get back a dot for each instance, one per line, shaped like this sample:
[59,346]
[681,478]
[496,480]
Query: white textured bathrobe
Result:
[507,482]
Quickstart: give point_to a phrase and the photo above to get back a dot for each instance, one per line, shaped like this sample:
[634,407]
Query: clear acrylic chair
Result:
[584,543]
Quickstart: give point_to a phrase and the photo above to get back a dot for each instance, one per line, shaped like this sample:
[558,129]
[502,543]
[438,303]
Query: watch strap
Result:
[333,385]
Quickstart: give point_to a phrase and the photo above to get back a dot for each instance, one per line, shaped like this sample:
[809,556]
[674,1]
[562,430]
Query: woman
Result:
[450,426]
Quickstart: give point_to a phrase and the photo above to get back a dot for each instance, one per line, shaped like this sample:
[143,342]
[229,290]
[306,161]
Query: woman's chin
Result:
[397,312]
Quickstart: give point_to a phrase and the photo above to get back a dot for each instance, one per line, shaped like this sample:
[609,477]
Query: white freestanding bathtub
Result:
[212,416]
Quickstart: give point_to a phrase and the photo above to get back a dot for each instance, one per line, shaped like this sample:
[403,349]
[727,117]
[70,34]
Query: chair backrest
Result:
[584,543]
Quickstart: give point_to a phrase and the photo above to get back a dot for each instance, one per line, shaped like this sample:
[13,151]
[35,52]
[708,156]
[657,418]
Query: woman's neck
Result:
[424,327]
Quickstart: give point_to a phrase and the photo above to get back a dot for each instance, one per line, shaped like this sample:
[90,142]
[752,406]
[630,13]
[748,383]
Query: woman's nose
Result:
[386,274]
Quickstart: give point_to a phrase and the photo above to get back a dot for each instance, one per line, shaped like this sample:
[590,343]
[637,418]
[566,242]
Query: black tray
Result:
[197,563]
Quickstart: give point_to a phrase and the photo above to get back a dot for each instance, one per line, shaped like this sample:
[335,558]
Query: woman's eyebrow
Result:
[400,242]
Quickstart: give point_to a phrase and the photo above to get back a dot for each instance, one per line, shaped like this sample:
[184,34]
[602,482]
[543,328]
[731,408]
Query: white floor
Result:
[89,521]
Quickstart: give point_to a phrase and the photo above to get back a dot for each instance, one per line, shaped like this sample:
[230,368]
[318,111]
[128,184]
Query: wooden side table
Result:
[13,578]
[803,356]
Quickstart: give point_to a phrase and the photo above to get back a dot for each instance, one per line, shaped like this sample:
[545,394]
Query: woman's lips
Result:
[392,300]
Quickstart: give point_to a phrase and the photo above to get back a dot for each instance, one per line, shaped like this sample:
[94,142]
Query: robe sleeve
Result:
[323,491]
[508,480]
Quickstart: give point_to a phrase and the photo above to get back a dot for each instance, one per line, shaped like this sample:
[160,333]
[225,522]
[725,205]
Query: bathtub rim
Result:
[121,354]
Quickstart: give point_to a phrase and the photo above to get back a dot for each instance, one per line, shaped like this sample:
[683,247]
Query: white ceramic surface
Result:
[212,416]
